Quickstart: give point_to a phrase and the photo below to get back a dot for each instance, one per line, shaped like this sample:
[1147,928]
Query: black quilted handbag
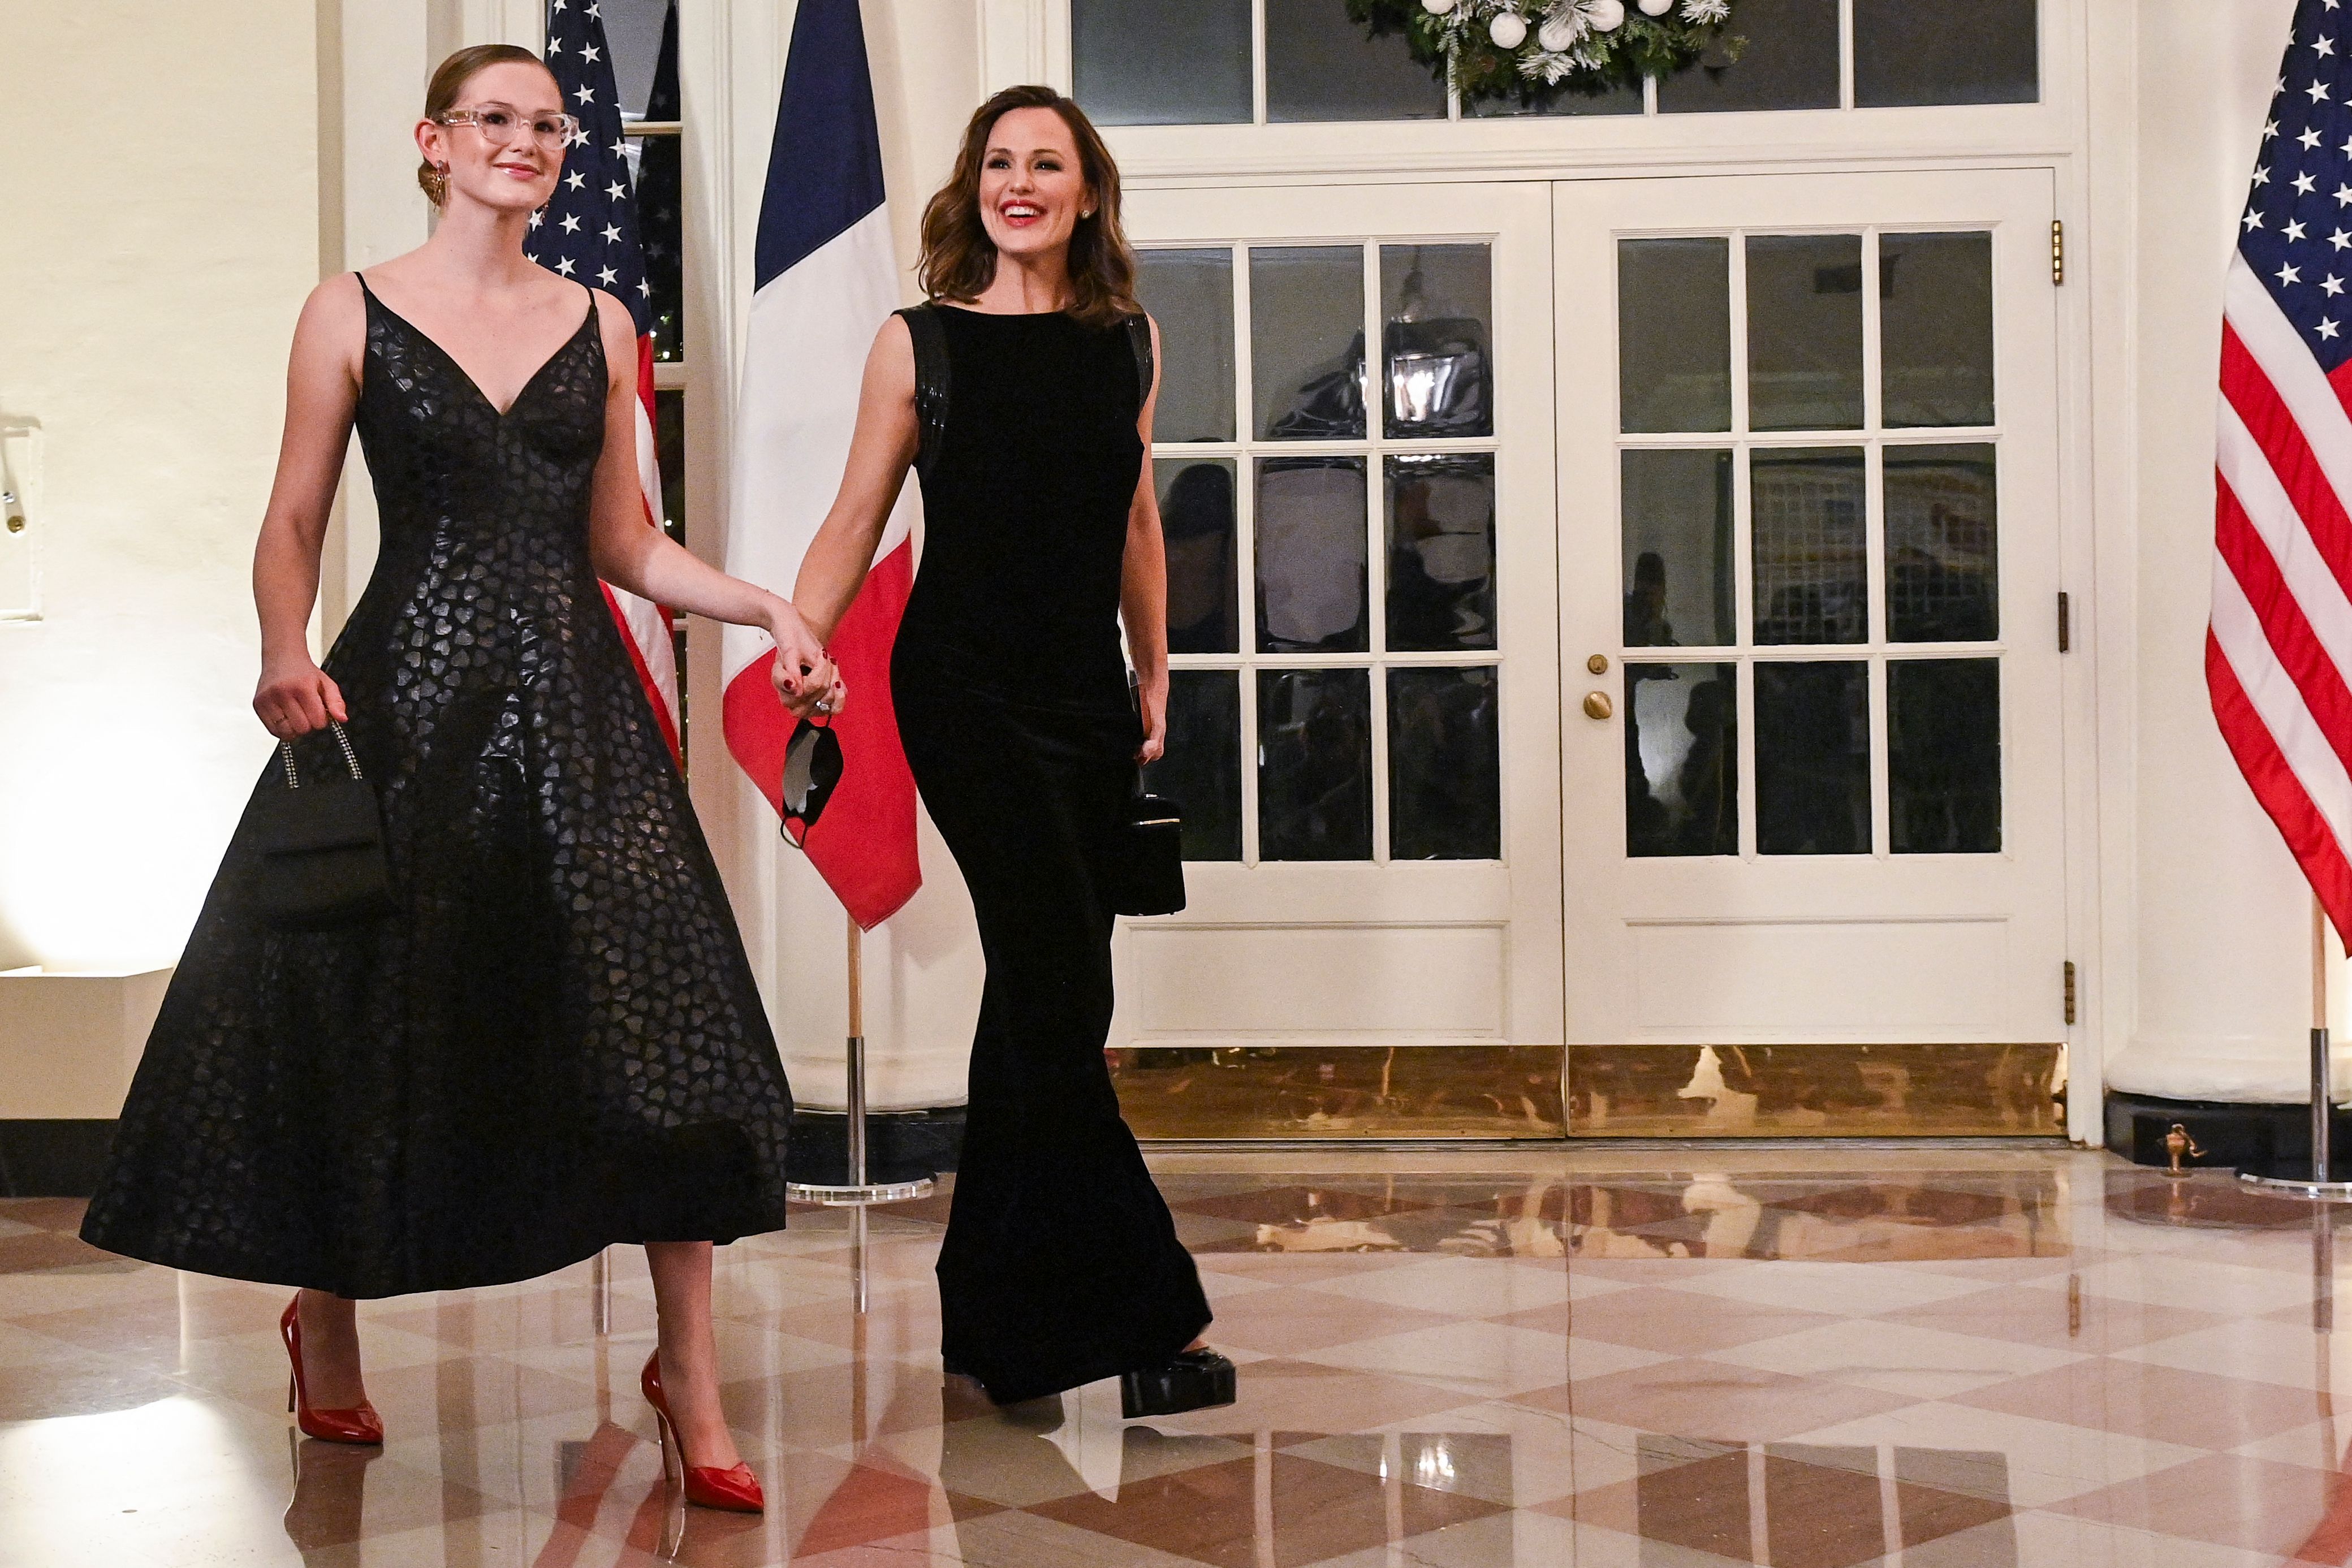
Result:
[317,848]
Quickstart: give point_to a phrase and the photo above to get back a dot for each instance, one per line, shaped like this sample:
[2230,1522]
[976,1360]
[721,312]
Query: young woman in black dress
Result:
[554,1042]
[1041,533]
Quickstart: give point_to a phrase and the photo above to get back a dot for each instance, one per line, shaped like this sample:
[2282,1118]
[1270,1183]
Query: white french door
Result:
[1808,578]
[1355,459]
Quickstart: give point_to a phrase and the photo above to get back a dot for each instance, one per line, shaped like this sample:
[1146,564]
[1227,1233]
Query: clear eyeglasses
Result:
[498,121]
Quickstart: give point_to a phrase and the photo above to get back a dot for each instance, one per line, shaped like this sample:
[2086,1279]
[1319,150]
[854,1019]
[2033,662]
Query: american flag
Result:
[588,231]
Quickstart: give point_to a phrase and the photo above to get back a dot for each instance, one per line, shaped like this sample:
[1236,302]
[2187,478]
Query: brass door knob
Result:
[1598,706]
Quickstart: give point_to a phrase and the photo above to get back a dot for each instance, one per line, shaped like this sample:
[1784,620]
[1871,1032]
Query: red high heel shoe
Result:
[361,1425]
[736,1490]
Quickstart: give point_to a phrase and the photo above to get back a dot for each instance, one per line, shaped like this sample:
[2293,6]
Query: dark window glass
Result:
[1674,334]
[1985,51]
[1196,517]
[1445,770]
[1437,352]
[1809,558]
[669,449]
[1943,544]
[1812,758]
[1307,341]
[1677,517]
[1681,759]
[661,230]
[1804,331]
[1440,529]
[1311,534]
[1190,294]
[1936,328]
[1560,100]
[1943,756]
[1790,61]
[1315,765]
[1146,62]
[1320,65]
[1202,771]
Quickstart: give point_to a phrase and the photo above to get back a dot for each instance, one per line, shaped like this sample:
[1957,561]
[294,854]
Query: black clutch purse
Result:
[1147,875]
[317,848]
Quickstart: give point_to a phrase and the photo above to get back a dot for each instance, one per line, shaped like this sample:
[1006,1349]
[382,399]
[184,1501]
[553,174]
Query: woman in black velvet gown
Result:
[1061,1264]
[553,1043]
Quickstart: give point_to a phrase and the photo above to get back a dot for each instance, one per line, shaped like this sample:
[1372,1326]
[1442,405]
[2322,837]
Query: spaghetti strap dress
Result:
[554,1042]
[1061,1263]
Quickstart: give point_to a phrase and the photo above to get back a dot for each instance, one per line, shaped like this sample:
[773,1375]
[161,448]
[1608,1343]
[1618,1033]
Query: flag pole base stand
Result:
[887,1192]
[2301,1187]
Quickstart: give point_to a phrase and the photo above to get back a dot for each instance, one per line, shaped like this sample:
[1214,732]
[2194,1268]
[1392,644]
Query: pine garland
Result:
[1601,43]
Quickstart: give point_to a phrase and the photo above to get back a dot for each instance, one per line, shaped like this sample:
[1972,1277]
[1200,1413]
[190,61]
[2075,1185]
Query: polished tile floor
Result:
[1813,1358]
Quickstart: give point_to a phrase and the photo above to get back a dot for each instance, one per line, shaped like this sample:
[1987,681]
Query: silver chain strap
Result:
[350,757]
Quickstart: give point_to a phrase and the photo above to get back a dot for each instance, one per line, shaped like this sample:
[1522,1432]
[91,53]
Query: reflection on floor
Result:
[1821,1358]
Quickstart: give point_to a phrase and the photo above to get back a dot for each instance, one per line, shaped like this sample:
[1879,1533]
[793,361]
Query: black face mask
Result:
[811,769]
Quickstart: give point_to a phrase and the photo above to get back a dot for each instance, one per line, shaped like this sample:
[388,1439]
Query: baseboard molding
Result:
[901,1146]
[2261,1140]
[52,1158]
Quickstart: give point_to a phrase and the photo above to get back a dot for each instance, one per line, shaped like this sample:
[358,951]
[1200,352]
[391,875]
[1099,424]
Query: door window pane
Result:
[1811,562]
[1307,341]
[670,451]
[1440,533]
[1790,61]
[1682,761]
[1190,294]
[1202,771]
[1936,328]
[1435,352]
[1320,65]
[1983,52]
[1445,772]
[1943,756]
[1315,765]
[1812,758]
[1196,517]
[1676,518]
[1674,334]
[1617,98]
[1311,533]
[1943,556]
[1145,62]
[1804,331]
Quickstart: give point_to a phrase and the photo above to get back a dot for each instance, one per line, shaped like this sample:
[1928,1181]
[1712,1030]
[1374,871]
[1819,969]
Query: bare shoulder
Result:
[891,361]
[333,328]
[619,330]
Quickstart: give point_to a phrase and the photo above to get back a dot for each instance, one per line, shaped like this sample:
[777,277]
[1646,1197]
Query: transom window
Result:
[1330,514]
[1211,62]
[1809,473]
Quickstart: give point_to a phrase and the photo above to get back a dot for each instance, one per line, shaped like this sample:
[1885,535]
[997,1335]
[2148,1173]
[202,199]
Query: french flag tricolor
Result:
[826,280]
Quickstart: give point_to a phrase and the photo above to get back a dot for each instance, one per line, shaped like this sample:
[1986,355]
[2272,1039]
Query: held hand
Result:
[1154,701]
[805,680]
[296,697]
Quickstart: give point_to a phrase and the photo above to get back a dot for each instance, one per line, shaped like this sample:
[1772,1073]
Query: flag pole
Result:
[856,1191]
[2321,1182]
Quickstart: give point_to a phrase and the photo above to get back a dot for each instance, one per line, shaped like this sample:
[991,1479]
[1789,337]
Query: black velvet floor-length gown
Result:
[554,1042]
[1061,1263]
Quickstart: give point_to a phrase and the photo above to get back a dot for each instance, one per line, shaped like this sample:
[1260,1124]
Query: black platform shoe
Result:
[1193,1380]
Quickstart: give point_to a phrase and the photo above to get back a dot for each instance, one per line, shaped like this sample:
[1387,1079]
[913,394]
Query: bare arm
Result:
[879,453]
[294,696]
[1143,585]
[651,565]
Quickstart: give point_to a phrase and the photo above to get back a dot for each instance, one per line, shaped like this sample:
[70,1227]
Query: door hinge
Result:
[2065,623]
[2070,990]
[2057,253]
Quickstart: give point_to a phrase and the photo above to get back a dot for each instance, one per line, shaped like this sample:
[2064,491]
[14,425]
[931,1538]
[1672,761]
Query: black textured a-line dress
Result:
[554,1042]
[1061,1263]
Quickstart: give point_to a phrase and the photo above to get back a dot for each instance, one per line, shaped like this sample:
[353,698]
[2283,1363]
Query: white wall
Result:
[159,232]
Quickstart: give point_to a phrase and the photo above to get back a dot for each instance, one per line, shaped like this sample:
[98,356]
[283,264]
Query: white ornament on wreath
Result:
[1656,7]
[1606,15]
[1562,30]
[1439,7]
[1509,30]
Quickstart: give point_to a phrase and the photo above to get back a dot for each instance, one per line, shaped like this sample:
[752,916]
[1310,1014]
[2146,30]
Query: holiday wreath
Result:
[1488,49]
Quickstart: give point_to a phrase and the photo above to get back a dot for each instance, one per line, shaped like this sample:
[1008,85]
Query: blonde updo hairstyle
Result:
[441,94]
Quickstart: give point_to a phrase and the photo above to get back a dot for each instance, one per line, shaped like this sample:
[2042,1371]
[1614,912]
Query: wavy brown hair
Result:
[449,79]
[959,259]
